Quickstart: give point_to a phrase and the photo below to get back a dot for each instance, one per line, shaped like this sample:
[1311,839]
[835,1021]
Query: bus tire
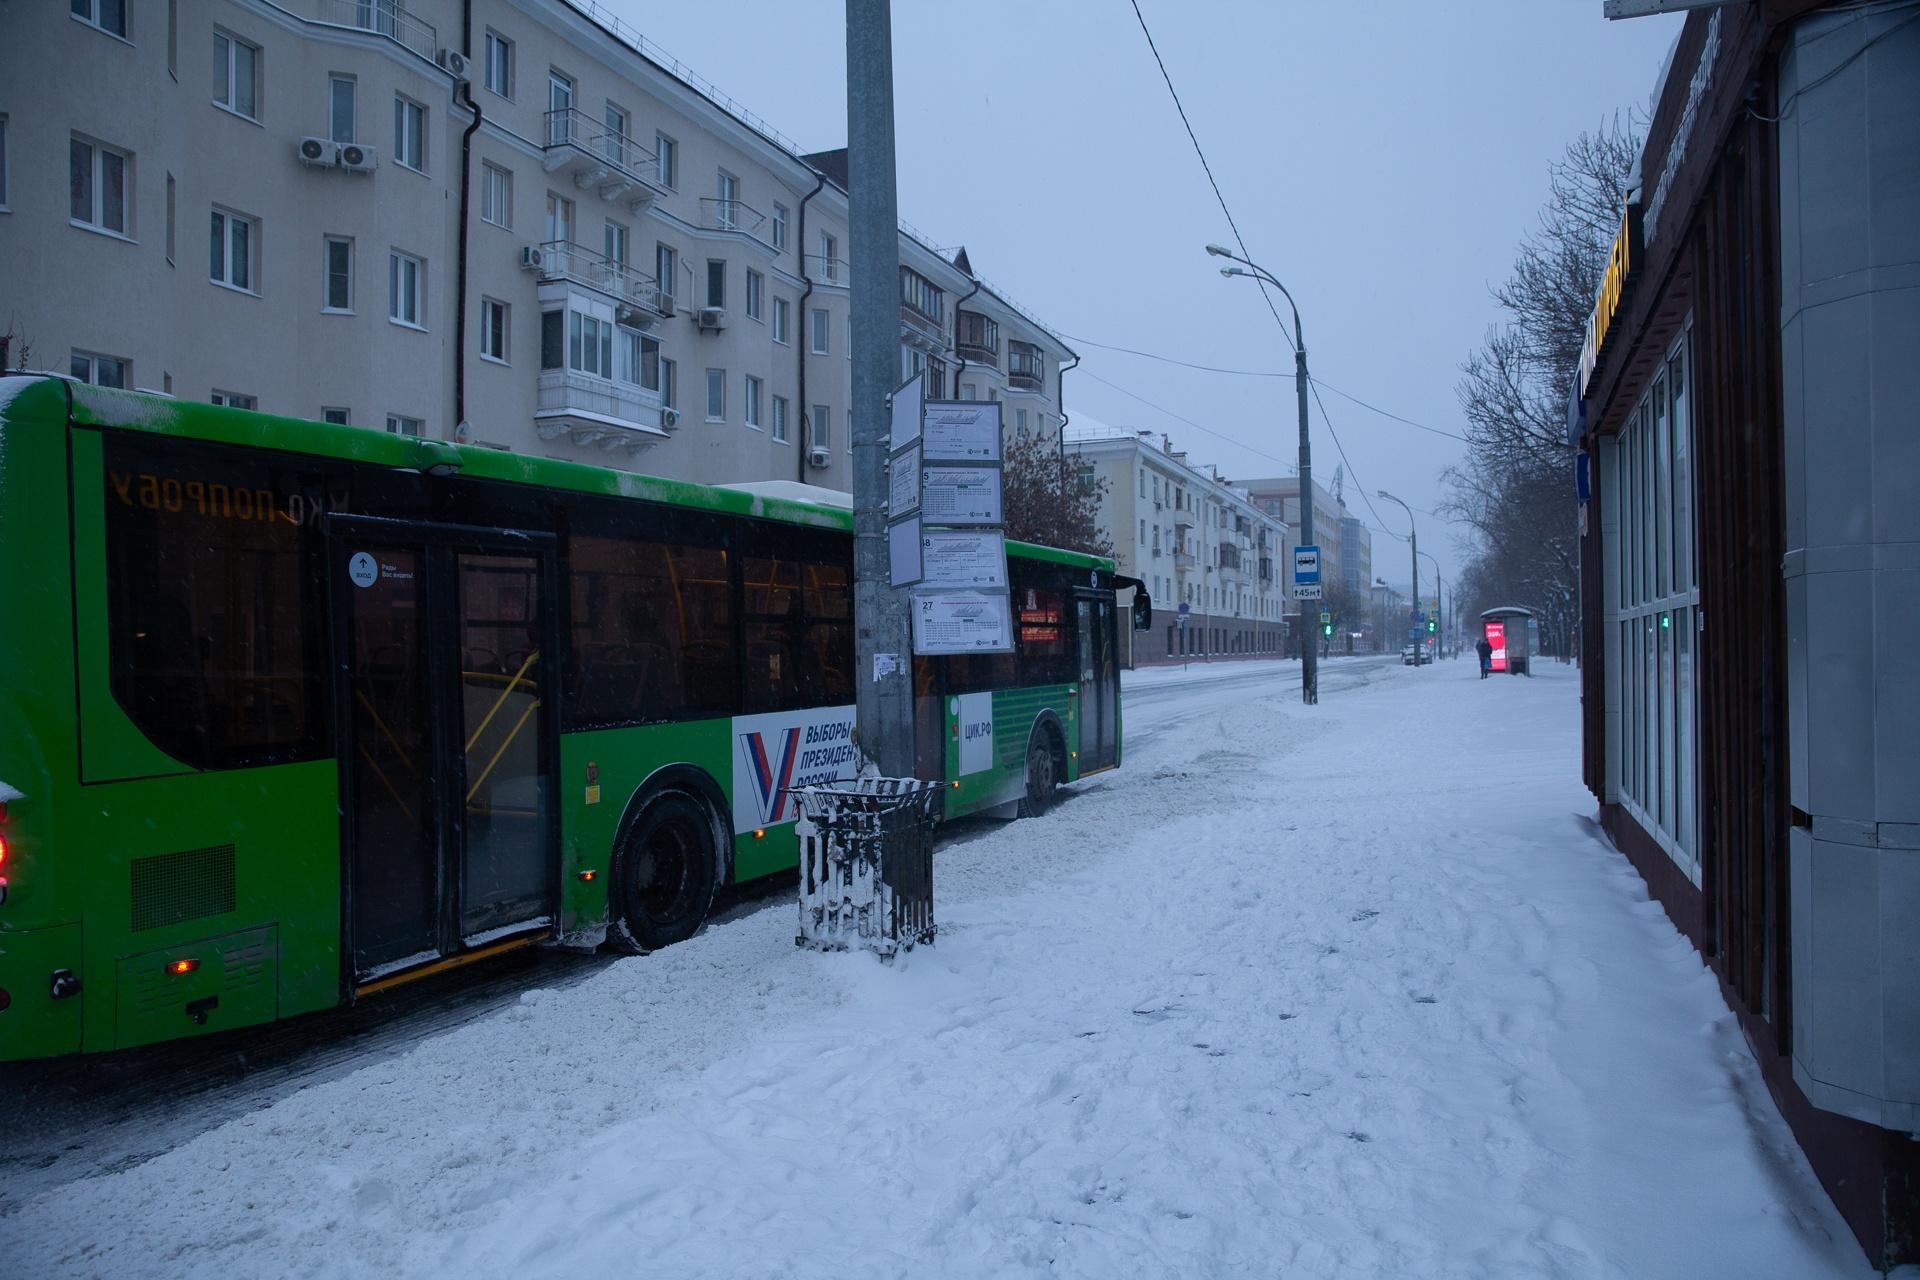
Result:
[664,874]
[1043,776]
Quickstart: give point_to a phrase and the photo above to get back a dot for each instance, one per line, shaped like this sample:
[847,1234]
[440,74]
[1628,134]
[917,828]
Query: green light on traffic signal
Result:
[1432,625]
[1327,630]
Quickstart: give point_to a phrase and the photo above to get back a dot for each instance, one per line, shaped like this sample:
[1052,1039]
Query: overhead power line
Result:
[1268,373]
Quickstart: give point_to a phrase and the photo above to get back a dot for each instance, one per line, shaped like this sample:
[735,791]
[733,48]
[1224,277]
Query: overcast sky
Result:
[1382,159]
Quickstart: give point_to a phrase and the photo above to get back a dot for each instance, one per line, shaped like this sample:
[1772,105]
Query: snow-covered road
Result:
[1336,991]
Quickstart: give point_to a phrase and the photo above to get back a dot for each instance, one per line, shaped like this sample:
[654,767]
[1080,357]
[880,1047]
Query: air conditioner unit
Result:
[711,318]
[359,157]
[633,317]
[532,258]
[321,153]
[669,418]
[819,456]
[454,61]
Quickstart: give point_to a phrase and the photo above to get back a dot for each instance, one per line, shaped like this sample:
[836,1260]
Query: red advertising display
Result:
[1497,637]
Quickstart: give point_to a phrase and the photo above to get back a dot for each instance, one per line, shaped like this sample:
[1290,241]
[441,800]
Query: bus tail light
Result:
[181,967]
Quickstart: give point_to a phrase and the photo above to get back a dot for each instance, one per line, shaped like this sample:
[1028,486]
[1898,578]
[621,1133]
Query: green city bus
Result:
[293,712]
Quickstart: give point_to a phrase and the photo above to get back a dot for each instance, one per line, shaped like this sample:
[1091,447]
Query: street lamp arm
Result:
[1260,273]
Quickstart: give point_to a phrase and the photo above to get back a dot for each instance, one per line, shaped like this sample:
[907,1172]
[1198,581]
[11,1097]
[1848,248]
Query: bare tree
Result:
[1515,485]
[1049,500]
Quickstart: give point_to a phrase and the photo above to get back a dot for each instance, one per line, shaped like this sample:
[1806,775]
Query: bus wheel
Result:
[1042,778]
[666,874]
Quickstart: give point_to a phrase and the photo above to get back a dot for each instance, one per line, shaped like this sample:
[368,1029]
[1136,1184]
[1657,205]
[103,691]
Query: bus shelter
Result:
[1513,633]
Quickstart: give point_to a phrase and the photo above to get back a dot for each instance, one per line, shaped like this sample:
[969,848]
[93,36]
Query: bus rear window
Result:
[212,608]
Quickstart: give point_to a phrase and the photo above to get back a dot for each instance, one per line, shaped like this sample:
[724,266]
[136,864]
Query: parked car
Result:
[1411,656]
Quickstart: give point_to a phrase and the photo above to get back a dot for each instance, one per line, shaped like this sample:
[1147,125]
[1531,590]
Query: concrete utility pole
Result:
[883,648]
[1310,640]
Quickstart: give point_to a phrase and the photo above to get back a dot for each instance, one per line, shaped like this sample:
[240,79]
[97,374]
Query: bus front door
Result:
[444,681]
[1099,683]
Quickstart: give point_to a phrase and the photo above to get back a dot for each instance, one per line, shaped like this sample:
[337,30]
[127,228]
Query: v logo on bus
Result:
[771,774]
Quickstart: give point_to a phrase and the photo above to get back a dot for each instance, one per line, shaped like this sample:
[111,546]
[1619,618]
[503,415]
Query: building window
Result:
[406,275]
[496,195]
[559,109]
[343,95]
[338,415]
[829,258]
[400,425]
[779,226]
[493,330]
[98,182]
[818,331]
[716,395]
[410,134]
[780,419]
[1020,421]
[339,271]
[231,250]
[499,64]
[669,383]
[753,401]
[616,242]
[666,160]
[234,400]
[716,282]
[559,219]
[780,310]
[108,15]
[3,163]
[977,334]
[101,371]
[820,429]
[590,344]
[664,260]
[613,143]
[170,208]
[921,294]
[727,206]
[849,417]
[1653,610]
[236,75]
[640,360]
[756,286]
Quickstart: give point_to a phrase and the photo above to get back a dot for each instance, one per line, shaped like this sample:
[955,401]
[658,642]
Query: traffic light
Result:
[1433,625]
[1326,629]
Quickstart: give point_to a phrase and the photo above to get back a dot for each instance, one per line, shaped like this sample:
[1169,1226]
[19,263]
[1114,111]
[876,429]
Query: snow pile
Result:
[1305,992]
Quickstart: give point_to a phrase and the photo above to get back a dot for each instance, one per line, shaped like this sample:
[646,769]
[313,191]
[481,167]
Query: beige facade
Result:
[1192,538]
[630,243]
[1345,542]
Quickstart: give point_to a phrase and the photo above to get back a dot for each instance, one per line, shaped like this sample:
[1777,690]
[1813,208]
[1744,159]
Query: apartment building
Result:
[510,222]
[1195,539]
[1346,544]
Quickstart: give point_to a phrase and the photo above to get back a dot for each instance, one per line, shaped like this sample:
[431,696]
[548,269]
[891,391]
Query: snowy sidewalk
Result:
[1340,991]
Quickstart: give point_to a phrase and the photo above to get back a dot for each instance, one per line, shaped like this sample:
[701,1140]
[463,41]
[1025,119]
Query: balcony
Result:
[921,330]
[1266,569]
[589,268]
[1183,560]
[1026,371]
[732,215]
[977,339]
[827,270]
[600,159]
[387,18]
[589,410]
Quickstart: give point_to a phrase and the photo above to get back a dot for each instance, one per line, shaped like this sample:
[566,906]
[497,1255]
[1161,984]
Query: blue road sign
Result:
[1306,565]
[1185,608]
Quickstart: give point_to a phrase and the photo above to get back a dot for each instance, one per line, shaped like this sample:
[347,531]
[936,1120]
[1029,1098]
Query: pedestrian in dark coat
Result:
[1485,650]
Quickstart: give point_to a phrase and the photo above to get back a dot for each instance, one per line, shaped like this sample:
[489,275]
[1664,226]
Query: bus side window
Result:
[829,643]
[652,631]
[773,631]
[1043,636]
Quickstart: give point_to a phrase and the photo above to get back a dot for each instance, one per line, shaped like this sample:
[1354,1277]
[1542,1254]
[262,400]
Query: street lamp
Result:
[1309,644]
[1439,590]
[1413,539]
